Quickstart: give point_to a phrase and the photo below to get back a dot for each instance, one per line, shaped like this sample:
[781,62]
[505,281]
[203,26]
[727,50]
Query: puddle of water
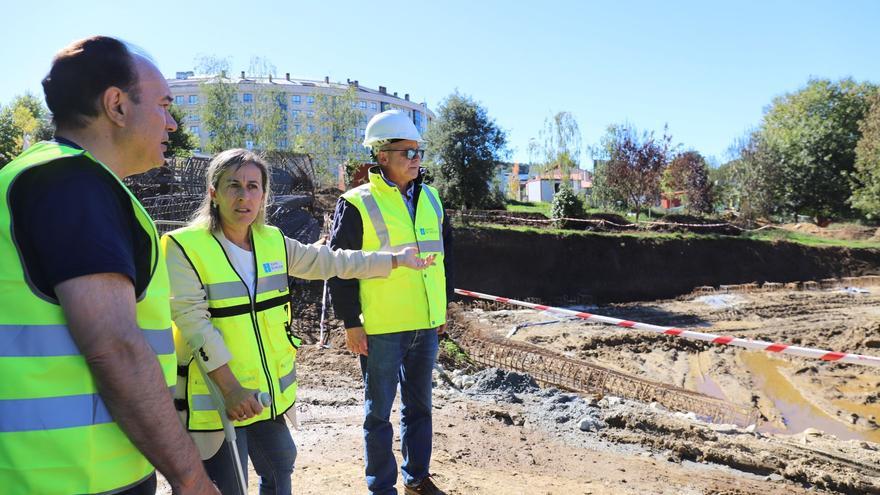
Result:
[797,412]
[706,385]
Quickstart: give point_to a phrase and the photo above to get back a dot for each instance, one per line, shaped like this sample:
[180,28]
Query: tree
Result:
[635,164]
[335,138]
[219,114]
[813,132]
[220,111]
[689,173]
[464,146]
[23,122]
[180,142]
[601,195]
[753,178]
[866,178]
[558,146]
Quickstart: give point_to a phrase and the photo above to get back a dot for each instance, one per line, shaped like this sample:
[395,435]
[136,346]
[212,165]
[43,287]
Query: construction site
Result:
[533,396]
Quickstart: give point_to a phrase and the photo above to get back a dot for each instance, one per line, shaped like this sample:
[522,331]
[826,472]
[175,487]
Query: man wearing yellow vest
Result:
[393,323]
[86,352]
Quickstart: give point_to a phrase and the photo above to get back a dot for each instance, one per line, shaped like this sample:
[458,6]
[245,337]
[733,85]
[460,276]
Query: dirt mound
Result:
[695,224]
[843,232]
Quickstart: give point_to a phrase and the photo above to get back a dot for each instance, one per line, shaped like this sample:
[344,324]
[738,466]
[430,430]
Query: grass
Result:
[455,352]
[767,235]
[585,233]
[526,207]
[810,240]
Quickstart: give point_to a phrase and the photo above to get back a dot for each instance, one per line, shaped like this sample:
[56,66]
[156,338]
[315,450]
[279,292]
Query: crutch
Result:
[219,404]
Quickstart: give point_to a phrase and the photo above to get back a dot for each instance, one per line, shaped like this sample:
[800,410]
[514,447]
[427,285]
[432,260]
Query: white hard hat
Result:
[390,124]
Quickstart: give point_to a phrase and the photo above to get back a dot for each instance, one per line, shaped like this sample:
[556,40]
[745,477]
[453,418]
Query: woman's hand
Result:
[409,257]
[242,404]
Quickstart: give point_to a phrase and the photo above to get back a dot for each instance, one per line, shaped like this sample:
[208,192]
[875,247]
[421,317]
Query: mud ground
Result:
[502,434]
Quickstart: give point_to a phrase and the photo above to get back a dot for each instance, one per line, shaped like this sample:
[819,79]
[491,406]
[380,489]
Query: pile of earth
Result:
[843,232]
[552,266]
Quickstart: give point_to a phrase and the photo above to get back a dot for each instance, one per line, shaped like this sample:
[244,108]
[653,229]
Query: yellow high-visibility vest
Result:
[56,435]
[408,299]
[255,330]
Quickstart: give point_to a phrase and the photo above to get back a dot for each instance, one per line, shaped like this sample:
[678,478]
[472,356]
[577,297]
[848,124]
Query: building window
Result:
[296,99]
[297,128]
[310,100]
[247,98]
[194,129]
[282,127]
[248,111]
[193,117]
[249,128]
[295,114]
[417,120]
[178,100]
[373,106]
[385,106]
[363,105]
[310,114]
[282,144]
[193,99]
[311,128]
[249,144]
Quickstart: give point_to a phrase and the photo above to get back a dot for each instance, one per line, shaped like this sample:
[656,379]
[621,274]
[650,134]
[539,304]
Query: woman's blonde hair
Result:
[230,161]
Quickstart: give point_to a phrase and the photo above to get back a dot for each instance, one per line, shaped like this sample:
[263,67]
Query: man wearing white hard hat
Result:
[394,323]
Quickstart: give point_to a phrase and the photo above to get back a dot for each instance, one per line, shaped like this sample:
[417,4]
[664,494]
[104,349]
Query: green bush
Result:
[566,204]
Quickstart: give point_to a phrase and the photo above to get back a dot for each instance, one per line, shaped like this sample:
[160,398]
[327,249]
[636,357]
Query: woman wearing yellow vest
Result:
[229,285]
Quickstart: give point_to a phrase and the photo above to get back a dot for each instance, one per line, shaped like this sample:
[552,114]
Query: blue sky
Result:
[706,68]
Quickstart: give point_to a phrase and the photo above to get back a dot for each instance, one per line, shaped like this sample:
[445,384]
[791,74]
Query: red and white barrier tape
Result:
[755,345]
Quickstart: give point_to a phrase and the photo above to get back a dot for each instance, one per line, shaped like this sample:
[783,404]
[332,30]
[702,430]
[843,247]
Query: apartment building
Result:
[298,100]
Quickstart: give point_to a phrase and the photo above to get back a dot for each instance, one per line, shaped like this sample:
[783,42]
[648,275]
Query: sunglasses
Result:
[411,154]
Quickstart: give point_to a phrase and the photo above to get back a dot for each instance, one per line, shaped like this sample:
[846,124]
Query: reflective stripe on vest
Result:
[255,331]
[55,340]
[407,299]
[56,435]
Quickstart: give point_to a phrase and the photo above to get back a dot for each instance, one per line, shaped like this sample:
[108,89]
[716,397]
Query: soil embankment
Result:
[629,268]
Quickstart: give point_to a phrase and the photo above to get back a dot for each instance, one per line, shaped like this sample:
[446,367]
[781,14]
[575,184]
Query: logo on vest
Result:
[422,230]
[273,266]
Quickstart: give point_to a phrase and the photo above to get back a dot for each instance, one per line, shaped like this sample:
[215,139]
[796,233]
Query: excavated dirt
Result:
[817,420]
[614,268]
[498,432]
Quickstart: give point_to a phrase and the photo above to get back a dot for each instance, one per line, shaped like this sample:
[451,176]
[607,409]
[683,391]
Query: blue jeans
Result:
[406,358]
[272,453]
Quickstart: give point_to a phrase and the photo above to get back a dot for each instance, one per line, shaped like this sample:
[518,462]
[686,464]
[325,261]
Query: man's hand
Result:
[409,257]
[442,328]
[356,340]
